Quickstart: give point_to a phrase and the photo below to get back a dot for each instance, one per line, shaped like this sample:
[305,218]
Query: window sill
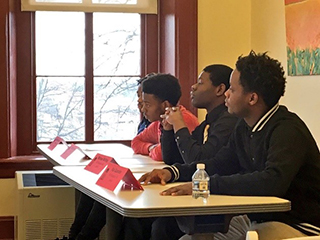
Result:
[8,166]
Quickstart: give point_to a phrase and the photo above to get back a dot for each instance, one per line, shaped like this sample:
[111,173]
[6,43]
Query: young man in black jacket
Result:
[178,145]
[270,153]
[213,133]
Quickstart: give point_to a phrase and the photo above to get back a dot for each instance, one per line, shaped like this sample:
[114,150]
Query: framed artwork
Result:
[303,37]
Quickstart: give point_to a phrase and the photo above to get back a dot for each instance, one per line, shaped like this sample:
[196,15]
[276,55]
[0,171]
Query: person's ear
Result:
[220,90]
[166,104]
[254,97]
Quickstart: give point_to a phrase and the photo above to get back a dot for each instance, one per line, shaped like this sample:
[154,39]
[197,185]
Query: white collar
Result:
[260,124]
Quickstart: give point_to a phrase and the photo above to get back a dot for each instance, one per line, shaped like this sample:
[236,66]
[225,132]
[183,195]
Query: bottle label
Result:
[203,186]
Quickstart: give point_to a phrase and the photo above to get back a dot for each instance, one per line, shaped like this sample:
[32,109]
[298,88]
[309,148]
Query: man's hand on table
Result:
[163,176]
[183,189]
[156,176]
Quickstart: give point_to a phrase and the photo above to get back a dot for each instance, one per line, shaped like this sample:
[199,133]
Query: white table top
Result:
[149,203]
[123,154]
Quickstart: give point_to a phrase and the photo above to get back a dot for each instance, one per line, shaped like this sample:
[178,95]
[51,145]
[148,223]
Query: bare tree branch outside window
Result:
[61,85]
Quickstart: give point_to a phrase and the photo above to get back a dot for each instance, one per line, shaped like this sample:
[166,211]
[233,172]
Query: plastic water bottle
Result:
[200,183]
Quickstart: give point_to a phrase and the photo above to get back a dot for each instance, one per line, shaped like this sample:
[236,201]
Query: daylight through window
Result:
[63,75]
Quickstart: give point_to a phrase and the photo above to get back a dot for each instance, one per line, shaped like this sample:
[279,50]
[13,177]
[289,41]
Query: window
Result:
[168,44]
[66,69]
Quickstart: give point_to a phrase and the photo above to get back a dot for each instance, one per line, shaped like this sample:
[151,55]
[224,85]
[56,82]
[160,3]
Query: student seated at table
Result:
[91,215]
[213,133]
[177,144]
[159,92]
[144,123]
[270,153]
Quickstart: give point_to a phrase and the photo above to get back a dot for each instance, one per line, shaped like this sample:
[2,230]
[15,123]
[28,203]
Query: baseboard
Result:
[6,228]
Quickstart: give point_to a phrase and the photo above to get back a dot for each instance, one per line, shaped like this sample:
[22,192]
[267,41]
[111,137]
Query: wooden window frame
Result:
[169,41]
[141,6]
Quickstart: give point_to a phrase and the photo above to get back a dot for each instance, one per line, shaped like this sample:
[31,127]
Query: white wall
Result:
[224,32]
[230,28]
[268,34]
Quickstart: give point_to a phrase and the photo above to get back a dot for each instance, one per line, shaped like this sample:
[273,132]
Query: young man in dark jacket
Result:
[213,133]
[270,153]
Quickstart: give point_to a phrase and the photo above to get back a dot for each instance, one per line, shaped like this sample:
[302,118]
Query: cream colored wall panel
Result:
[8,203]
[224,33]
[268,34]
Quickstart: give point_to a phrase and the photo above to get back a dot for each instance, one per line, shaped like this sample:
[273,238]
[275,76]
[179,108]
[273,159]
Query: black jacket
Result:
[190,146]
[277,157]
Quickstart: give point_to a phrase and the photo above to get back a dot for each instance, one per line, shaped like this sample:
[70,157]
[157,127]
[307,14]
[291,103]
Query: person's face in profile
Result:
[140,101]
[237,100]
[203,92]
[152,107]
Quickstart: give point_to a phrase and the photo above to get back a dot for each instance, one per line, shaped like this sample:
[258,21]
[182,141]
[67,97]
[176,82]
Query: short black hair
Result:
[219,74]
[163,86]
[262,74]
[140,80]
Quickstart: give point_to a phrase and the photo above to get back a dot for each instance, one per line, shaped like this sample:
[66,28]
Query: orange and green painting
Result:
[303,36]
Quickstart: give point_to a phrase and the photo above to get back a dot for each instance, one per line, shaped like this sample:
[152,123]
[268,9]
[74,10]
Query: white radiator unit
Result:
[46,206]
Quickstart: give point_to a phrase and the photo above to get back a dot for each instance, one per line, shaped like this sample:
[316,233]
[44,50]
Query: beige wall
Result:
[268,34]
[224,32]
[229,28]
[8,204]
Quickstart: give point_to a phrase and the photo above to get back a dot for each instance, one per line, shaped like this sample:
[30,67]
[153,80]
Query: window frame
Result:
[90,77]
[142,6]
[89,86]
[169,44]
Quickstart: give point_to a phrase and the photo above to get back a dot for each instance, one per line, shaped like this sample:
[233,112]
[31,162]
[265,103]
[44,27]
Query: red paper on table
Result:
[99,162]
[56,141]
[69,150]
[113,174]
[130,182]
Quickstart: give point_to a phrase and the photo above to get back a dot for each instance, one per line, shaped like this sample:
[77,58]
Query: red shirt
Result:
[151,136]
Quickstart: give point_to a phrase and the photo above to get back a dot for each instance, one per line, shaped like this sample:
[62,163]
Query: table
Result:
[149,203]
[123,154]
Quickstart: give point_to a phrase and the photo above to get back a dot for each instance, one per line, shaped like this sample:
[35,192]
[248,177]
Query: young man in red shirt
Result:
[159,92]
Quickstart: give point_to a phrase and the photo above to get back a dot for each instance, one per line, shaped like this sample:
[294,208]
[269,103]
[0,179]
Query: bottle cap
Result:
[200,166]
